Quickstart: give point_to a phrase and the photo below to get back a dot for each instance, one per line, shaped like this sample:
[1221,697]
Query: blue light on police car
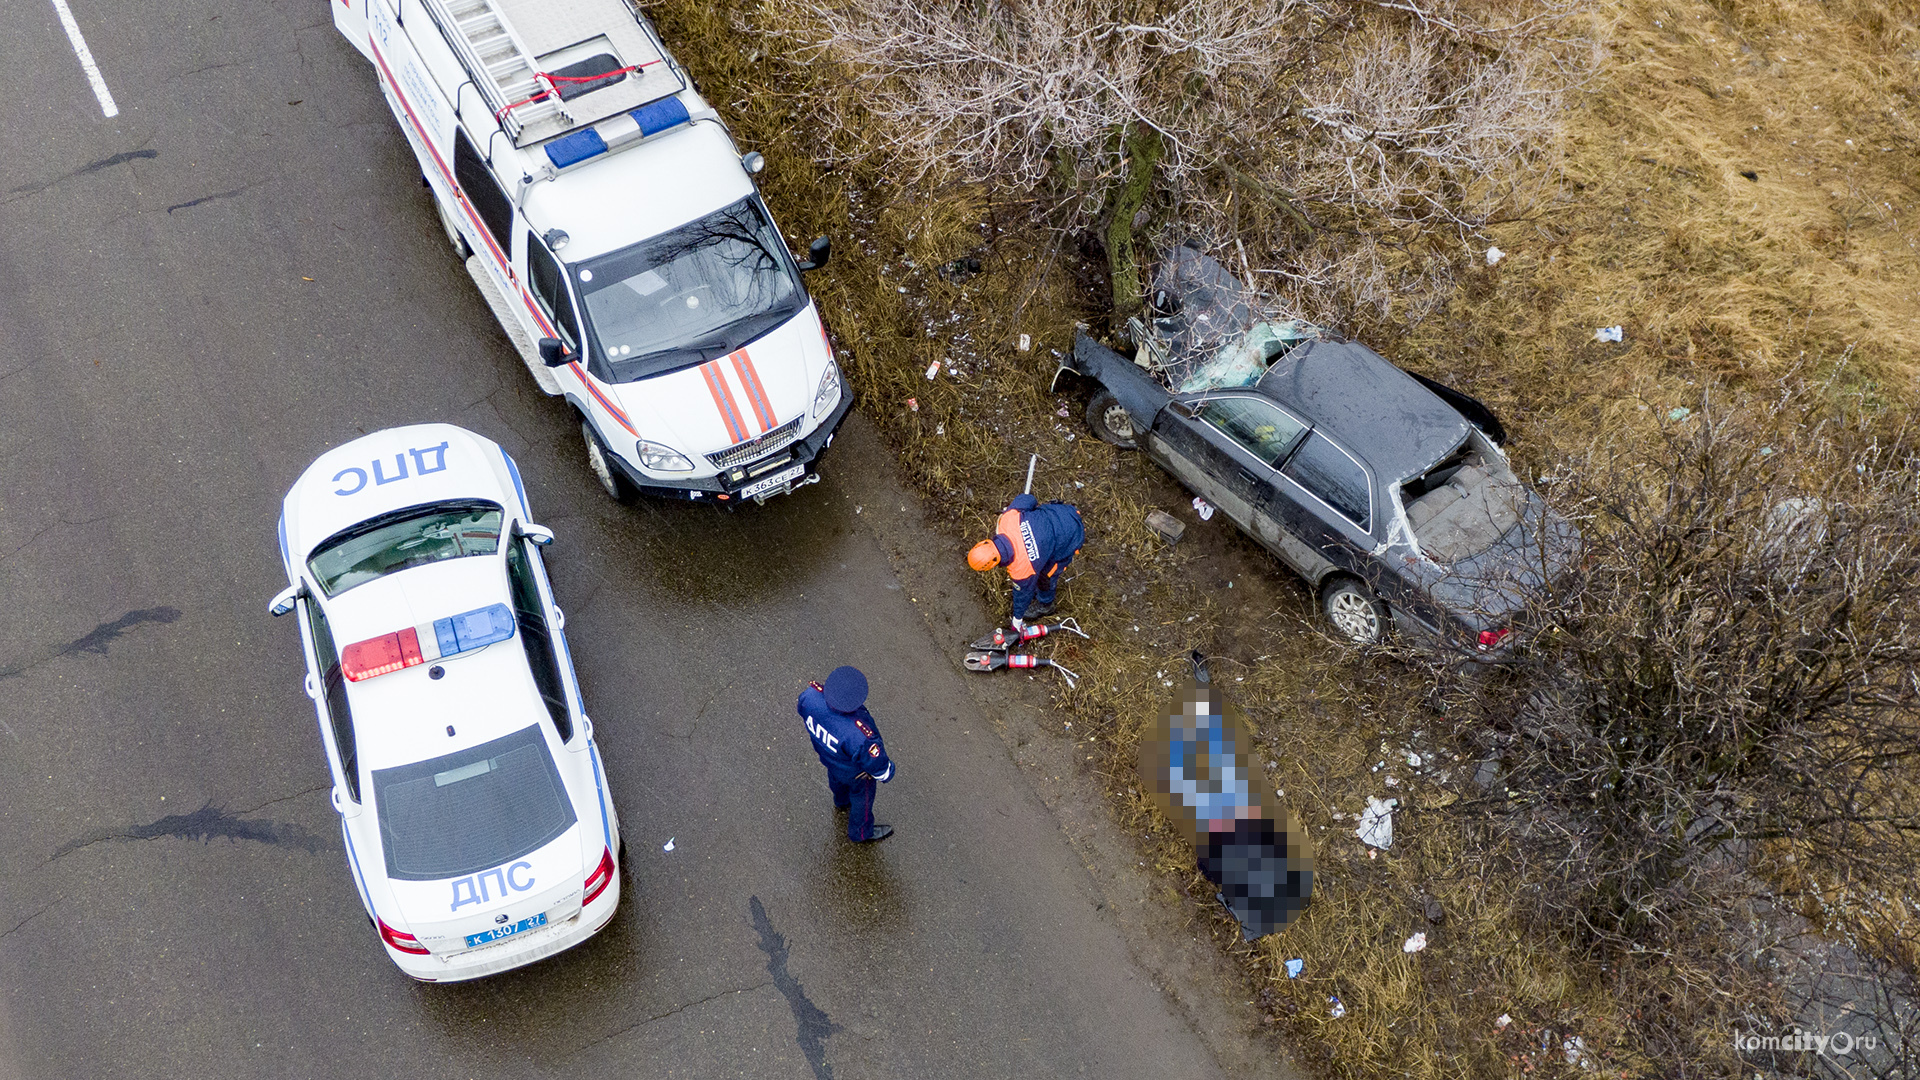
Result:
[472,629]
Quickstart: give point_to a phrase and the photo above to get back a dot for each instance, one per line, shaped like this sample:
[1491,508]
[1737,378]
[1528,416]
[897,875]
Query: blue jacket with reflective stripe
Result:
[848,743]
[1055,534]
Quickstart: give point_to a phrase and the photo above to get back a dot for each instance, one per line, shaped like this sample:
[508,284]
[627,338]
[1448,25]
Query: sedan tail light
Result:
[1490,638]
[406,943]
[601,877]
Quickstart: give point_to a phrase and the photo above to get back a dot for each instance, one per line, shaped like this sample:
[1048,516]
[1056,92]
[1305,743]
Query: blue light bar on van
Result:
[615,132]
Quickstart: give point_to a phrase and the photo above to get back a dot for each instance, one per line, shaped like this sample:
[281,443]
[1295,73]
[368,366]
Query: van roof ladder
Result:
[501,65]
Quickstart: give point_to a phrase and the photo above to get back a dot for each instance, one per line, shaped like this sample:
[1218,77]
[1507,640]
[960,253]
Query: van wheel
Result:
[1356,614]
[611,478]
[460,249]
[1112,422]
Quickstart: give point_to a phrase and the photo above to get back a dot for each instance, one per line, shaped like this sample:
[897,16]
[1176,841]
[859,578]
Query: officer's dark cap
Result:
[846,689]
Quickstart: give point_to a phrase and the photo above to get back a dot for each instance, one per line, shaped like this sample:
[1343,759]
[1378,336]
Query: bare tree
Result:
[1258,119]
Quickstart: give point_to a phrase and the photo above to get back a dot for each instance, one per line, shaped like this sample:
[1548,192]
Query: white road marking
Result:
[86,59]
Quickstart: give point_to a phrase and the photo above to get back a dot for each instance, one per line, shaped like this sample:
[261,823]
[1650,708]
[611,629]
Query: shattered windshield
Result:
[405,538]
[691,295]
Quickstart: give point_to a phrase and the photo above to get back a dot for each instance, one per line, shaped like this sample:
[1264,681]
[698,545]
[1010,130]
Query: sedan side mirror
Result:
[817,254]
[554,354]
[284,602]
[539,534]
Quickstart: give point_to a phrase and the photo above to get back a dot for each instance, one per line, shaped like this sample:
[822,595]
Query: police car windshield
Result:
[403,538]
[691,295]
[473,810]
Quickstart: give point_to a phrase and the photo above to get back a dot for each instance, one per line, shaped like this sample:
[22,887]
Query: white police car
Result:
[478,825]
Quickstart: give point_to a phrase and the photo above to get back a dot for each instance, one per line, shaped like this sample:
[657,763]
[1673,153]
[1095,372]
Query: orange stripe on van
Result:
[723,401]
[756,394]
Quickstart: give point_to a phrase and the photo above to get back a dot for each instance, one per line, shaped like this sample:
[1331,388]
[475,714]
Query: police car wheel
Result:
[447,222]
[612,480]
[1111,421]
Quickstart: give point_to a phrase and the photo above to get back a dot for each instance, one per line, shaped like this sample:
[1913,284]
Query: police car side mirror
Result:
[554,354]
[539,534]
[817,253]
[284,602]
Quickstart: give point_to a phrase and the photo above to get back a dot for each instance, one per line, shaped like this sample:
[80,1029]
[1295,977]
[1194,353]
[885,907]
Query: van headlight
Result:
[658,458]
[828,395]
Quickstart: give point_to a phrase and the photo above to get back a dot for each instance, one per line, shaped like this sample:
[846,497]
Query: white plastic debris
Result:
[1501,1024]
[1295,967]
[1576,1051]
[1415,943]
[668,846]
[1494,255]
[1609,333]
[1334,1008]
[934,368]
[1026,342]
[1413,759]
[1203,508]
[1376,824]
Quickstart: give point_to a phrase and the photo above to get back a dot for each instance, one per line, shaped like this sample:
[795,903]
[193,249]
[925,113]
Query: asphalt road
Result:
[200,295]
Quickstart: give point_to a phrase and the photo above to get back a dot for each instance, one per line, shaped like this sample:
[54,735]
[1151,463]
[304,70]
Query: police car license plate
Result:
[784,476]
[506,931]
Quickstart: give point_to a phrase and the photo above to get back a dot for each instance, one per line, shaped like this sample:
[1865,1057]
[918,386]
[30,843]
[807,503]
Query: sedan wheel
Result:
[1112,422]
[611,478]
[1355,612]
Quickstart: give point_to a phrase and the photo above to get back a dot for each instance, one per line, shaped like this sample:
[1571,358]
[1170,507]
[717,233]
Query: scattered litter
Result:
[1062,412]
[934,368]
[1078,484]
[1501,1024]
[668,846]
[1494,255]
[1295,967]
[939,429]
[1334,1008]
[1608,333]
[1203,508]
[1413,759]
[1392,782]
[1170,528]
[1576,1051]
[1679,413]
[913,404]
[1376,825]
[1415,943]
[1026,342]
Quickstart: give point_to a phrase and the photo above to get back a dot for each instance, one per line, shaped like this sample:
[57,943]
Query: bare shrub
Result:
[1720,722]
[1266,121]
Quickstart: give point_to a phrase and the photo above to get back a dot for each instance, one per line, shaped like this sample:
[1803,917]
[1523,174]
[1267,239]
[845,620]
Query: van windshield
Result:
[691,295]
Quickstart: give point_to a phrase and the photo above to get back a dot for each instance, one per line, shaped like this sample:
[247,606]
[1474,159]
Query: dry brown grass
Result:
[1651,225]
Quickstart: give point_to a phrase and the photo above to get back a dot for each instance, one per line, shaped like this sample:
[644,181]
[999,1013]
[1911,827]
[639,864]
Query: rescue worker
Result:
[1034,542]
[848,742]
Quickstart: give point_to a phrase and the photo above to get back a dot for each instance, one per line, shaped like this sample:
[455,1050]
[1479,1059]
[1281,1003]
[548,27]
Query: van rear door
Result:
[350,18]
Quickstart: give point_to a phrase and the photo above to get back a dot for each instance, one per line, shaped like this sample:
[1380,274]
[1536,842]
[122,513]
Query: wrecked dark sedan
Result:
[1372,484]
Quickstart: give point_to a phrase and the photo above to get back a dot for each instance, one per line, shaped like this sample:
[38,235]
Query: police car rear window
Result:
[473,810]
[405,538]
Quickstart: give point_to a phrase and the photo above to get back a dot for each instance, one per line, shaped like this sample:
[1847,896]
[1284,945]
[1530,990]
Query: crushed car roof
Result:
[1366,404]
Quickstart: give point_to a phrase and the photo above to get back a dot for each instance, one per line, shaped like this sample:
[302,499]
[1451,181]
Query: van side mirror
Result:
[817,254]
[554,354]
[540,535]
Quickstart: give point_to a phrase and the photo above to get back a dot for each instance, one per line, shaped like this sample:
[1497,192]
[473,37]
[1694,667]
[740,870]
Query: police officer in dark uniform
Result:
[848,742]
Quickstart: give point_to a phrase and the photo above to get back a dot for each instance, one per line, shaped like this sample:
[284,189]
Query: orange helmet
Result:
[983,556]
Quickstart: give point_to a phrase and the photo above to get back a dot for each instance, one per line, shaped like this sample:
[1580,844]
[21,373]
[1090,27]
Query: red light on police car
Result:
[601,877]
[1490,638]
[406,943]
[377,656]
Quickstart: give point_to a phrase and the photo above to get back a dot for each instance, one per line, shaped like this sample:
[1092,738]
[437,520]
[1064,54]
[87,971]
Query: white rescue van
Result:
[616,232]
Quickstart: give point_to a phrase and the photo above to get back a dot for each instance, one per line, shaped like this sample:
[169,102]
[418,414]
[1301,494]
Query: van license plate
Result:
[779,479]
[506,931]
